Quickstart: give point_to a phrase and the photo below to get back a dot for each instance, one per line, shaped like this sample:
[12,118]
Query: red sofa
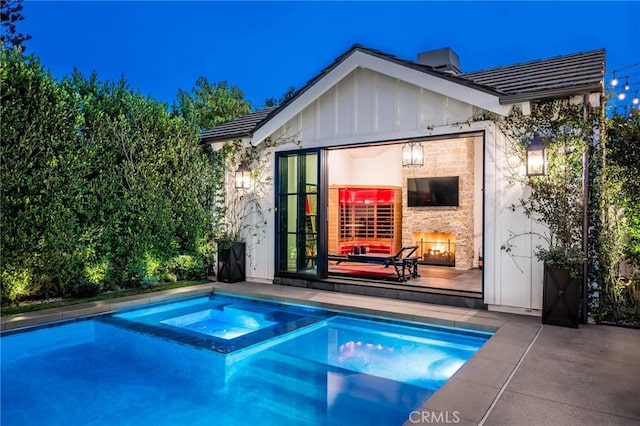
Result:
[346,248]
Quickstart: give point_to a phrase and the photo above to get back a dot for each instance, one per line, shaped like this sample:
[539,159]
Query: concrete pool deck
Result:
[526,374]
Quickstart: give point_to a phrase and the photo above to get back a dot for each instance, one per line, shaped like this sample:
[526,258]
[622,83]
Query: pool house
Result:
[383,154]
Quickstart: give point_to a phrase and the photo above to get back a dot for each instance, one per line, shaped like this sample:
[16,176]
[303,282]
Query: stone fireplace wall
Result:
[450,157]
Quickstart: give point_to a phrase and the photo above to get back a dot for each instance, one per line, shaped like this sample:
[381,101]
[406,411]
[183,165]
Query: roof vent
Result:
[445,60]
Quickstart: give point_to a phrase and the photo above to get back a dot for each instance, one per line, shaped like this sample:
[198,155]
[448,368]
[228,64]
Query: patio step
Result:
[464,299]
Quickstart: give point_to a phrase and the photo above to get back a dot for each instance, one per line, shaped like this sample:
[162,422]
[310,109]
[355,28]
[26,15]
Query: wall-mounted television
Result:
[432,191]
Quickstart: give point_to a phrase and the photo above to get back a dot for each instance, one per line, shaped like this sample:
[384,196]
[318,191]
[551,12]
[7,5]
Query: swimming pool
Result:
[227,360]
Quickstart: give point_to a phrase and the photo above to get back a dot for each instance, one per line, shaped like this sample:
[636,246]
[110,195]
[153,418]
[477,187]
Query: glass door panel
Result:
[297,214]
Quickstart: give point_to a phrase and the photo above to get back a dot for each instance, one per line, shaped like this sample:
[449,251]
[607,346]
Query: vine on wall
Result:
[570,134]
[557,198]
[240,214]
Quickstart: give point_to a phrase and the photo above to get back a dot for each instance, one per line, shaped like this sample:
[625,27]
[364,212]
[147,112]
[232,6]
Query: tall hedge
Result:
[619,292]
[101,186]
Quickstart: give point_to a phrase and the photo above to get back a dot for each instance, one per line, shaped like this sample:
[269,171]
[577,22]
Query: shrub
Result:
[570,259]
[16,284]
[205,249]
[150,270]
[91,282]
[96,273]
[186,267]
[170,277]
[83,287]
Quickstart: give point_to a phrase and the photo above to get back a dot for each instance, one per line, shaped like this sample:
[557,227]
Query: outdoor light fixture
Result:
[635,99]
[622,96]
[535,157]
[614,81]
[627,86]
[243,177]
[412,155]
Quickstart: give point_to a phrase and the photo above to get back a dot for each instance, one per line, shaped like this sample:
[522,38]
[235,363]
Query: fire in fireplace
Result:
[436,248]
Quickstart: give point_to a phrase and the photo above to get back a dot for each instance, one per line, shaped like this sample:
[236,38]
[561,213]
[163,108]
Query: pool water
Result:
[222,324]
[176,363]
[225,325]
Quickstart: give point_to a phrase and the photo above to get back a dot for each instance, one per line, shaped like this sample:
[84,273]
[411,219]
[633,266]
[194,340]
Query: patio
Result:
[526,374]
[432,277]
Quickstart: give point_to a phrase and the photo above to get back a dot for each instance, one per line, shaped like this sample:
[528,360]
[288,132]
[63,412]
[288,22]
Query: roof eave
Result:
[208,140]
[551,93]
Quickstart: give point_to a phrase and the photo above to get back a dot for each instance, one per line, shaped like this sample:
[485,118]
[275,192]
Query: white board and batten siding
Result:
[367,106]
[513,279]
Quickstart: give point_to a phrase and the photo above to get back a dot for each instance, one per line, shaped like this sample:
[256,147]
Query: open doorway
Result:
[370,212]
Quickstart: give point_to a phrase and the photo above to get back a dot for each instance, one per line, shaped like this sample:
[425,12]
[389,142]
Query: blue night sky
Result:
[265,47]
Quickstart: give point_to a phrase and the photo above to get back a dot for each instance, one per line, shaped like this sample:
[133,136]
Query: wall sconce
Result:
[412,155]
[536,159]
[243,176]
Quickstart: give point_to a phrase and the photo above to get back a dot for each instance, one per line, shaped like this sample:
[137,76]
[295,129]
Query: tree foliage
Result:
[619,300]
[10,15]
[556,199]
[613,203]
[208,105]
[101,186]
[274,102]
[42,165]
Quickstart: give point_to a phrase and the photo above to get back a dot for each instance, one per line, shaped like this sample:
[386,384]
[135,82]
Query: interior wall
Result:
[340,169]
[382,166]
[445,157]
[368,166]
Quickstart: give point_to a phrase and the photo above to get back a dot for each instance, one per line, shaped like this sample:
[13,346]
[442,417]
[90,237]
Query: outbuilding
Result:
[380,153]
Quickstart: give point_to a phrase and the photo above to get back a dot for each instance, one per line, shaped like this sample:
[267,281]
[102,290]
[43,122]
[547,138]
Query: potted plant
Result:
[561,285]
[552,141]
[557,200]
[231,257]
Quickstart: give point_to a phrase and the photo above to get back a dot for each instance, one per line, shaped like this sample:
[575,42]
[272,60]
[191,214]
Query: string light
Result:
[624,88]
[628,91]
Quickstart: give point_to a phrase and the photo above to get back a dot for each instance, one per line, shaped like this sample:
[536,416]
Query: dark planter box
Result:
[231,263]
[560,298]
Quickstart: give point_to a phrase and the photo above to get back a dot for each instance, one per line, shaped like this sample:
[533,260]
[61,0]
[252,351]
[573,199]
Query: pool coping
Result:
[467,397]
[82,310]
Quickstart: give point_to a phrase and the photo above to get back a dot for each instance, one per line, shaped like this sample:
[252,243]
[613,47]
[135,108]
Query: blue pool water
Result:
[224,360]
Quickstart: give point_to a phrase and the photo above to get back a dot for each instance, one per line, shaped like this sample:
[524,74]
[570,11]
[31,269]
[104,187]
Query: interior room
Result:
[378,207]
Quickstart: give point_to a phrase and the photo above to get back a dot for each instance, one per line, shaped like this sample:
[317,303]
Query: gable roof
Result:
[574,74]
[577,73]
[427,70]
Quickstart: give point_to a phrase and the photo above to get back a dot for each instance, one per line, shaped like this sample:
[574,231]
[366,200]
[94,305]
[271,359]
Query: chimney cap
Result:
[444,59]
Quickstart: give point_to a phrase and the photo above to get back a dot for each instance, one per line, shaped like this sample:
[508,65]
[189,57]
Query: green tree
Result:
[42,169]
[208,105]
[619,291]
[101,186]
[274,102]
[10,15]
[150,179]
